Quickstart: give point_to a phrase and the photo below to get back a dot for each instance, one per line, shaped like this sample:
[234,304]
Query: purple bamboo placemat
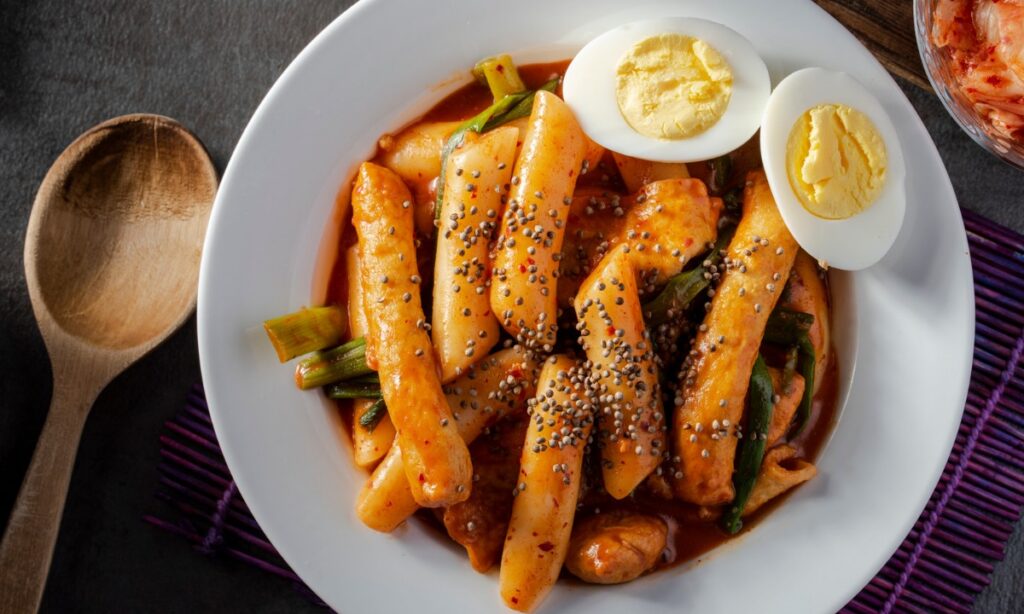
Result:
[941,566]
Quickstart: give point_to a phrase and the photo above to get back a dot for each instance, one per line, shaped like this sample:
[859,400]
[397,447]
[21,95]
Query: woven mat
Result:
[941,566]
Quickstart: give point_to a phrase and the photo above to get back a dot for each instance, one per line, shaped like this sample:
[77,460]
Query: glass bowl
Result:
[936,64]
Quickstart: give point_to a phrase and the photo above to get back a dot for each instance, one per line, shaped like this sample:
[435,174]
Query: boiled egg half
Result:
[673,89]
[835,167]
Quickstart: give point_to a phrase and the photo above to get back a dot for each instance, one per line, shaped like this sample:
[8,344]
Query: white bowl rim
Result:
[271,522]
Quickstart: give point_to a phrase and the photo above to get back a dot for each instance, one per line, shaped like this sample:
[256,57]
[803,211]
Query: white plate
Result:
[378,66]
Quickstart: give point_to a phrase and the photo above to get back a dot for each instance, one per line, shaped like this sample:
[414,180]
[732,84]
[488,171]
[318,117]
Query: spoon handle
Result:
[27,547]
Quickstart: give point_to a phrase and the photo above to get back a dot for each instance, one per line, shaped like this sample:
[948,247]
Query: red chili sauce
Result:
[690,536]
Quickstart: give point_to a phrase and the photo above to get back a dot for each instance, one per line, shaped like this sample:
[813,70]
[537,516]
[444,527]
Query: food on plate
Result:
[789,389]
[807,293]
[436,460]
[305,331]
[672,89]
[637,173]
[710,398]
[463,323]
[550,477]
[984,43]
[624,374]
[835,167]
[529,244]
[836,161]
[780,470]
[660,214]
[481,522]
[370,442]
[616,547]
[491,390]
[566,357]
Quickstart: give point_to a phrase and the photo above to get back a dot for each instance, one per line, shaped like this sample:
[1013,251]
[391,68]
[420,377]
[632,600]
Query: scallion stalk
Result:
[683,288]
[373,415]
[752,446]
[499,73]
[351,390]
[307,330]
[343,362]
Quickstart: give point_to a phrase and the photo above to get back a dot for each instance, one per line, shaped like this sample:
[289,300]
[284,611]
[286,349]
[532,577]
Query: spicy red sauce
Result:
[690,536]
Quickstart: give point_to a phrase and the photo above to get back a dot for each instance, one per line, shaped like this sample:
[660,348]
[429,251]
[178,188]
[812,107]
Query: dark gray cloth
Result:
[68,64]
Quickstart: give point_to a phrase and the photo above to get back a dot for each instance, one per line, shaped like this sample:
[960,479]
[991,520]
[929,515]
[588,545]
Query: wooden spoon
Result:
[112,265]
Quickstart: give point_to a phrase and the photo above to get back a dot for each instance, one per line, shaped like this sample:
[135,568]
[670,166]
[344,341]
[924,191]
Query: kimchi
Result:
[985,43]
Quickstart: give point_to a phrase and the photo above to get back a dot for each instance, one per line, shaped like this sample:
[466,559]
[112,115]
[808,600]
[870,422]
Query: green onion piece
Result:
[343,362]
[307,330]
[808,363]
[523,108]
[721,169]
[676,297]
[751,447]
[372,378]
[507,109]
[350,390]
[683,288]
[499,73]
[790,328]
[785,326]
[373,415]
[734,200]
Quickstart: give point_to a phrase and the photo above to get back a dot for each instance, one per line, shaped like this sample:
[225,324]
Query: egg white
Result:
[856,242]
[590,83]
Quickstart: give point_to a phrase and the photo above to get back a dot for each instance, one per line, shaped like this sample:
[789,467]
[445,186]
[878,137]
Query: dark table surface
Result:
[68,64]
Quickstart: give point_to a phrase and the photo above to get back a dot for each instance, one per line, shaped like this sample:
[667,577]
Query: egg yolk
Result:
[672,86]
[836,161]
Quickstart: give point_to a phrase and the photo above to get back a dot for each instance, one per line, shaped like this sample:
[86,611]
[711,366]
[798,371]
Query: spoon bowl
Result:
[115,250]
[112,265]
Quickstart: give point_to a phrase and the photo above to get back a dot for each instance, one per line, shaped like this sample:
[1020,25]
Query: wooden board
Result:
[886,27]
